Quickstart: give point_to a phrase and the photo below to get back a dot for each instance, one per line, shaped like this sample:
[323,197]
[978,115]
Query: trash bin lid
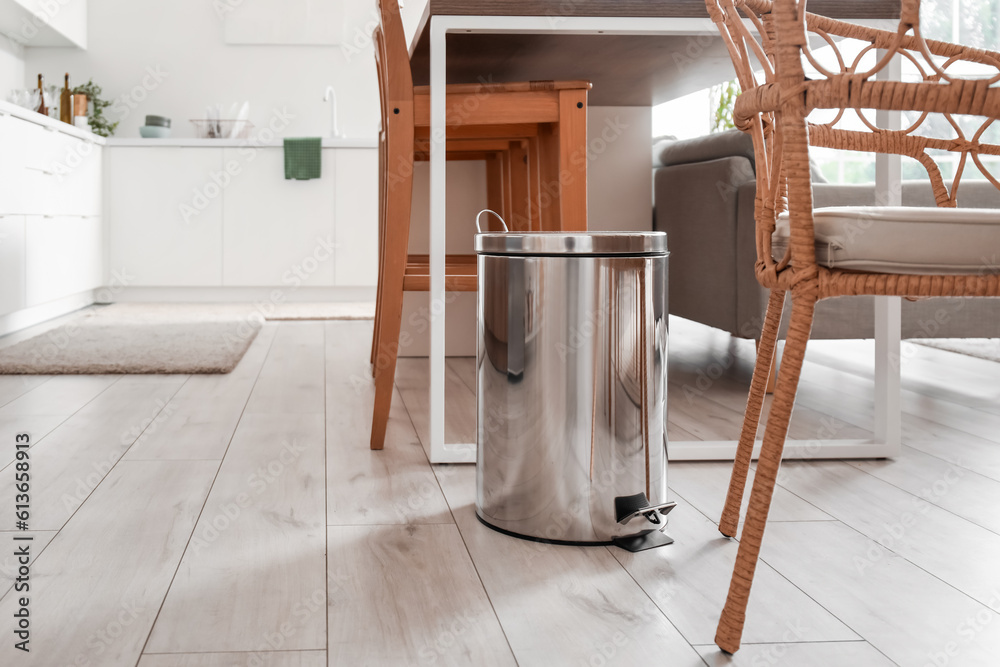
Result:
[572,243]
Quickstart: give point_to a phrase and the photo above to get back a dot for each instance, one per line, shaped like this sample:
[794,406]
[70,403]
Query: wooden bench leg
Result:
[534,183]
[495,183]
[573,159]
[520,214]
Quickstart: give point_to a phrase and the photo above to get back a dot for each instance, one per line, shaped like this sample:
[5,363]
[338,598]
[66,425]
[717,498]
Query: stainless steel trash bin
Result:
[571,378]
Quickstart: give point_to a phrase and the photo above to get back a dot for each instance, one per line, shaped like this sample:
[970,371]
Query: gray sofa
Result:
[703,193]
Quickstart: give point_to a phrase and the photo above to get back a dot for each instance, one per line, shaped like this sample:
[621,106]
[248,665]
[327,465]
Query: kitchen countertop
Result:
[11,109]
[191,142]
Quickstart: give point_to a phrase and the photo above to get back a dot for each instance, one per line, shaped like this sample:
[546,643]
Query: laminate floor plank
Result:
[13,386]
[689,578]
[945,376]
[70,462]
[256,563]
[815,654]
[677,433]
[200,419]
[394,485]
[854,402]
[562,605]
[97,586]
[292,379]
[704,484]
[906,613]
[62,395]
[35,426]
[948,485]
[412,380]
[947,546]
[409,595]
[465,369]
[914,400]
[249,659]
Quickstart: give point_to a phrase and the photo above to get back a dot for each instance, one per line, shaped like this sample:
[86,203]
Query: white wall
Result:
[170,58]
[11,66]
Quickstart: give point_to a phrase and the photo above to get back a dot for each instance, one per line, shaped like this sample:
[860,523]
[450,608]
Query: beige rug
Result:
[982,348]
[139,338]
[321,311]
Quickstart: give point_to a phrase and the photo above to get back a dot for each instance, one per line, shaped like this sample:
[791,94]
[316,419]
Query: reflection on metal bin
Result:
[571,386]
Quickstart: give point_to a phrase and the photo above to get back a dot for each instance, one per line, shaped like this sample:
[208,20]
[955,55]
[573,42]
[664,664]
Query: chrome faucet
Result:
[331,96]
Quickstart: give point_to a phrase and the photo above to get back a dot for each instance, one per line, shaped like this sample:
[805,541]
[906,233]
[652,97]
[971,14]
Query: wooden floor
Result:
[211,521]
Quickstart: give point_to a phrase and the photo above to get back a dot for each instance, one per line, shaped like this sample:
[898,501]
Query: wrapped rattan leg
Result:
[758,386]
[734,614]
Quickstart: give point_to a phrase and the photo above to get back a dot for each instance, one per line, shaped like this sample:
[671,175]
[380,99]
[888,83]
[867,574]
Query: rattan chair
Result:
[940,254]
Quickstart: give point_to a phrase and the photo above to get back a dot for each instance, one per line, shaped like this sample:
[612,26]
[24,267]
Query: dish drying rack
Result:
[222,129]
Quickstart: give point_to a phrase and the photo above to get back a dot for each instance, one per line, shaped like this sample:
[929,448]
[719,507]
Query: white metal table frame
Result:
[887,310]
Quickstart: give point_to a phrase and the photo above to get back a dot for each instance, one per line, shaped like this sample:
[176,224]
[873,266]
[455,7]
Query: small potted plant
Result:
[99,123]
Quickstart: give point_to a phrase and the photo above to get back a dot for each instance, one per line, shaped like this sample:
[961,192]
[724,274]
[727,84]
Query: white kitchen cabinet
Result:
[45,22]
[47,172]
[63,256]
[15,140]
[51,231]
[165,214]
[357,217]
[277,231]
[74,178]
[11,263]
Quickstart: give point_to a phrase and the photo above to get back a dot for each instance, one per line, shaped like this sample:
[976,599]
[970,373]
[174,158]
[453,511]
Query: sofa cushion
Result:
[731,143]
[668,151]
[901,239]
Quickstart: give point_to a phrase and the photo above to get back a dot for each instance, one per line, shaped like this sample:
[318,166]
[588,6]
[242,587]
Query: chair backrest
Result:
[392,53]
[769,48]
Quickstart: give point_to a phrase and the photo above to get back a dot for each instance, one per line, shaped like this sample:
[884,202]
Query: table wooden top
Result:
[626,70]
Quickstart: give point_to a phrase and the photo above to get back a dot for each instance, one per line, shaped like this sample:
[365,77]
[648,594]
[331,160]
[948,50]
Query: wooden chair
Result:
[944,248]
[495,150]
[541,177]
[514,184]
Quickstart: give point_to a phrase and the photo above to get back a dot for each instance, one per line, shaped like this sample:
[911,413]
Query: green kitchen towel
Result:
[303,158]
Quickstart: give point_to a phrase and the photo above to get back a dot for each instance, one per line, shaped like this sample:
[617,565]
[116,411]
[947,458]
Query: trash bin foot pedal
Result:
[630,507]
[650,540]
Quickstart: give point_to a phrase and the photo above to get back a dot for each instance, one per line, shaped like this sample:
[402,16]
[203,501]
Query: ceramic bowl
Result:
[154,132]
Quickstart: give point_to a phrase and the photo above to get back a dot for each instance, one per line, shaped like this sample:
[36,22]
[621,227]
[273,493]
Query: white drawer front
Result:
[63,257]
[11,263]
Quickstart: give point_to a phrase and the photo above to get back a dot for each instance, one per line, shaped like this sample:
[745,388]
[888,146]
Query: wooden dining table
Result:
[635,52]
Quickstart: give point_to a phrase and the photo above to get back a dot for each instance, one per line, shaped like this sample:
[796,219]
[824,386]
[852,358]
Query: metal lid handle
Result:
[486,210]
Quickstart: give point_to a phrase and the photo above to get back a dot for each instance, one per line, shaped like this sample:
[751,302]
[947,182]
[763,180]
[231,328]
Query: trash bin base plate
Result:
[648,540]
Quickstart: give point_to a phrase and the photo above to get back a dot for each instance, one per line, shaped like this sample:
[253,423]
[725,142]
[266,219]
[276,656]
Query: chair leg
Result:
[399,192]
[751,418]
[730,629]
[381,239]
[772,374]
